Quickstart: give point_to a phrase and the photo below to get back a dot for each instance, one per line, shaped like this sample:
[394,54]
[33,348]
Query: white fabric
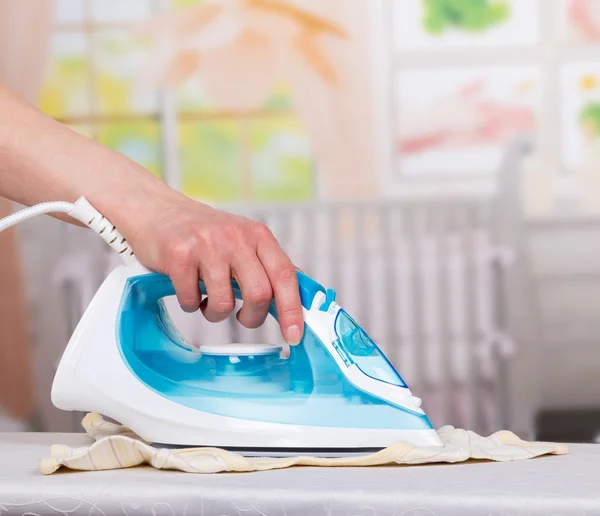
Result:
[559,486]
[116,447]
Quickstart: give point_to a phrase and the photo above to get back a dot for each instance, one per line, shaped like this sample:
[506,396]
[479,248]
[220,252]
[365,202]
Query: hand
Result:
[188,241]
[168,232]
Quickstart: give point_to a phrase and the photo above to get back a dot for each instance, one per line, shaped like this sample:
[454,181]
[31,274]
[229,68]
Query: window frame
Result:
[167,114]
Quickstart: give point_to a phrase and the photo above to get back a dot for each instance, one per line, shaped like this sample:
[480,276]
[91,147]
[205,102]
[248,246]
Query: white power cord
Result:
[82,211]
[34,211]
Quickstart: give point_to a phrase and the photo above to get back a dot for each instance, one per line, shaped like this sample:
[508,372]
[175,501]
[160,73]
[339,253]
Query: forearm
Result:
[43,160]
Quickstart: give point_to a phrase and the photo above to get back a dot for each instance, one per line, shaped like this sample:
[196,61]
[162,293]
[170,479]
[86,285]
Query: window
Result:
[209,154]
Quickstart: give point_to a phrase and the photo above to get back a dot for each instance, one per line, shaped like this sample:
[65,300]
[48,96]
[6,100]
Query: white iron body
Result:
[92,376]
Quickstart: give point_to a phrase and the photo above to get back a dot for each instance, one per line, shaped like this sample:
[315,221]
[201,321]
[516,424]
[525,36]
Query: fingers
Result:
[229,245]
[220,301]
[182,268]
[256,290]
[185,281]
[284,282]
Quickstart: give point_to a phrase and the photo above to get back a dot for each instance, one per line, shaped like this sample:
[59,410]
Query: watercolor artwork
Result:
[459,121]
[581,116]
[580,21]
[443,24]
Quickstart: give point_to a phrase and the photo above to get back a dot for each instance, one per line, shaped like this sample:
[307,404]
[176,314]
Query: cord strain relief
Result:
[84,212]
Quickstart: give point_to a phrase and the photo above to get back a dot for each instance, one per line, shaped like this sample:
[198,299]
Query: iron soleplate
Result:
[284,452]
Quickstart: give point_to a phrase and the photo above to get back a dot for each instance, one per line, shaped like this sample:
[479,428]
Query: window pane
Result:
[210,161]
[119,10]
[118,60]
[282,162]
[192,98]
[139,141]
[185,3]
[280,99]
[66,90]
[69,11]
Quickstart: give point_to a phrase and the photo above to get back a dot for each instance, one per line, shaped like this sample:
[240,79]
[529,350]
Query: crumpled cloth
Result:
[118,447]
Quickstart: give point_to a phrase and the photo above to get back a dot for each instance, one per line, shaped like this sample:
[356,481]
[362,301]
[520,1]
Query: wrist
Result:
[130,204]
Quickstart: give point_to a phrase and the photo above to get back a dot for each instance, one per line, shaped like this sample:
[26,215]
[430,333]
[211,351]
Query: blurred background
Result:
[435,161]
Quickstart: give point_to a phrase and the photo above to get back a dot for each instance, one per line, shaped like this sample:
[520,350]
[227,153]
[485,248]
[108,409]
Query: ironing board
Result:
[550,485]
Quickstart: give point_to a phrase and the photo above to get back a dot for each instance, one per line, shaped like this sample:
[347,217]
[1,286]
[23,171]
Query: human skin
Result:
[43,160]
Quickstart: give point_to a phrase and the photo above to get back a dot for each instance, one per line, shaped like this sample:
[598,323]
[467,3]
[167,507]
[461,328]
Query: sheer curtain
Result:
[24,38]
[325,50]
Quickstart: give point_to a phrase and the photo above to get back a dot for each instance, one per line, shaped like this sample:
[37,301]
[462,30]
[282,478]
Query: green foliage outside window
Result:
[211,166]
[224,157]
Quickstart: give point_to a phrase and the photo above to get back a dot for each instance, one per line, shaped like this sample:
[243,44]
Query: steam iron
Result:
[336,393]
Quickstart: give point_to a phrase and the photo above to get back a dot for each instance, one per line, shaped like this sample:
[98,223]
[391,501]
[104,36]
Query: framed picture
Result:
[581,115]
[444,24]
[459,121]
[579,21]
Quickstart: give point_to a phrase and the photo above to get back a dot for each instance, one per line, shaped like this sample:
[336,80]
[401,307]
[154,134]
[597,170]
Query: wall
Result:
[565,258]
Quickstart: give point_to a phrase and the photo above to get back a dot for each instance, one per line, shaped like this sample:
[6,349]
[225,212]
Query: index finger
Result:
[282,275]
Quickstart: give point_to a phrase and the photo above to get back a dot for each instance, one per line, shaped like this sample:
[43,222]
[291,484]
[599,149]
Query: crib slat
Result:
[486,365]
[500,321]
[334,216]
[414,232]
[362,269]
[470,274]
[440,236]
[389,233]
[456,307]
[405,318]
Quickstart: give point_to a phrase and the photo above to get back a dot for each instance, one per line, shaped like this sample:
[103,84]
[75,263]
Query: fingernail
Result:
[293,335]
